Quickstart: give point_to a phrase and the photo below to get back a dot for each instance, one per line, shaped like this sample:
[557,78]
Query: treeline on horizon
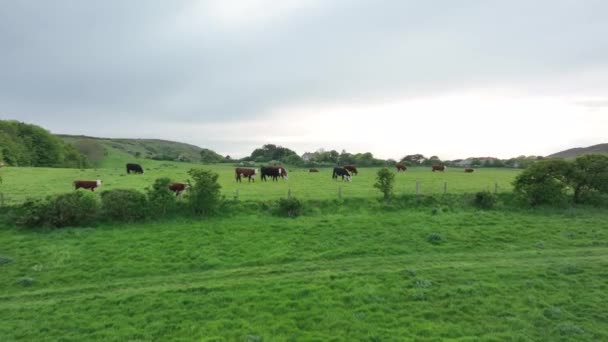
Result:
[23,144]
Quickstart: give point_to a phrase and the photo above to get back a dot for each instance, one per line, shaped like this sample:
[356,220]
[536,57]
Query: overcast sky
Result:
[448,78]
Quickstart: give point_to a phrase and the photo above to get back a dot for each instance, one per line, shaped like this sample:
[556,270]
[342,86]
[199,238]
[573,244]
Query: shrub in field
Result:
[26,281]
[385,181]
[290,207]
[78,208]
[484,200]
[31,213]
[125,205]
[544,182]
[434,238]
[5,259]
[161,200]
[589,175]
[204,195]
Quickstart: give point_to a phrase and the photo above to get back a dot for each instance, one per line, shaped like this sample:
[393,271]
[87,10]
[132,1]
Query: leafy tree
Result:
[204,195]
[589,173]
[385,181]
[413,159]
[23,144]
[545,182]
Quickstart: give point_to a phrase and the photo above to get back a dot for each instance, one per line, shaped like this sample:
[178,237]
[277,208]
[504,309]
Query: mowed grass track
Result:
[356,276]
[21,183]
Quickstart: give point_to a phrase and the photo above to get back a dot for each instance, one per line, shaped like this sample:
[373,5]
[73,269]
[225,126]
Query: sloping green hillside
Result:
[579,151]
[107,152]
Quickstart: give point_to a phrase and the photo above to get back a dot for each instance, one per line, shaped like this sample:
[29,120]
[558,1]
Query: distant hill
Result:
[575,152]
[99,150]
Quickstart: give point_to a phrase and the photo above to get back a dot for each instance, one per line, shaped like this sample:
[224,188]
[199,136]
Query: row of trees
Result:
[23,144]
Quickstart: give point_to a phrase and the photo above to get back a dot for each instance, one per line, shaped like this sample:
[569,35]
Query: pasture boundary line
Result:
[235,276]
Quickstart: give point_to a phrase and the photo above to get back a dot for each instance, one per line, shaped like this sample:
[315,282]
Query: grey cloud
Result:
[67,59]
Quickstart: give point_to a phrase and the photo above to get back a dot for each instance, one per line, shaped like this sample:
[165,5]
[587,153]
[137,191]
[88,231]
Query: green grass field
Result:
[21,183]
[348,276]
[346,271]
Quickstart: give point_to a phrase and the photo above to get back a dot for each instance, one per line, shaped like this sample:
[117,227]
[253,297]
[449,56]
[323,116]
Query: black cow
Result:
[135,168]
[340,171]
[274,172]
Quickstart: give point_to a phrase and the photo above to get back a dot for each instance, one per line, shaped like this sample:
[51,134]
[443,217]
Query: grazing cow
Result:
[469,170]
[136,168]
[178,188]
[91,185]
[1,164]
[313,170]
[242,172]
[400,167]
[274,172]
[439,168]
[341,171]
[352,169]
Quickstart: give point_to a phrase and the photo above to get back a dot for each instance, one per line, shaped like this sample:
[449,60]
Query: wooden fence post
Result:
[289,193]
[339,192]
[495,188]
[445,188]
[417,187]
[236,195]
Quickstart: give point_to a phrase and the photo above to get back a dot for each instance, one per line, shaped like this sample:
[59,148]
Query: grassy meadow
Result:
[363,275]
[21,183]
[352,270]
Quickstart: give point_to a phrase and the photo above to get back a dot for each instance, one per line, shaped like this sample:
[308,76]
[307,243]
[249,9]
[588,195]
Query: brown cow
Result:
[243,172]
[313,170]
[352,169]
[439,168]
[469,170]
[91,185]
[400,167]
[178,188]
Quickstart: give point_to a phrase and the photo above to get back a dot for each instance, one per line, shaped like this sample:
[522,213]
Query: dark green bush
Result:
[434,238]
[31,213]
[204,195]
[26,281]
[78,208]
[484,200]
[161,200]
[124,205]
[290,207]
[545,182]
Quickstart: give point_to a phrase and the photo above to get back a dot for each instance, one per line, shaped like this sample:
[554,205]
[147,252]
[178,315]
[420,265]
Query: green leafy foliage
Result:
[204,195]
[589,174]
[270,152]
[289,207]
[544,182]
[484,200]
[161,200]
[385,182]
[552,181]
[78,208]
[23,144]
[124,205]
[31,213]
[210,157]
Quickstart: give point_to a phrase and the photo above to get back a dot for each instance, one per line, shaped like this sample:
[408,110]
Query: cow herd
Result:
[265,172]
